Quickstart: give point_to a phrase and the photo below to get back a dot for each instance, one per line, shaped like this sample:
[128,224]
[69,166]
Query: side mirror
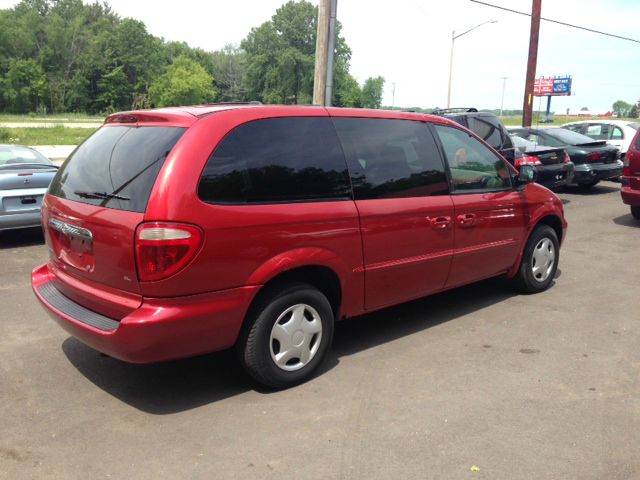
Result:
[527,174]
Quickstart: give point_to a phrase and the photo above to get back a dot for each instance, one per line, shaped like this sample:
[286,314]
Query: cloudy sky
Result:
[408,42]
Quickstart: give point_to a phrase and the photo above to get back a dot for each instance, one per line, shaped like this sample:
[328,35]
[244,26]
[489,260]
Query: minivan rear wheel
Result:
[635,212]
[539,260]
[288,334]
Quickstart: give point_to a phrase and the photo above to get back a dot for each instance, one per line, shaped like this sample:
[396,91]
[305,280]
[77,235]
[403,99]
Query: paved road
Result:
[477,383]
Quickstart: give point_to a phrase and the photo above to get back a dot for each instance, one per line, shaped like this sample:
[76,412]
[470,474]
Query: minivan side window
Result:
[277,160]
[473,167]
[391,158]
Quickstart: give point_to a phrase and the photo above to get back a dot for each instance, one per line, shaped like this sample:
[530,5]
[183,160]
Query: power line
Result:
[558,22]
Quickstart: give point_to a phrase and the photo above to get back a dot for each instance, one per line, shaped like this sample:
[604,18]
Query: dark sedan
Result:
[25,175]
[593,160]
[554,168]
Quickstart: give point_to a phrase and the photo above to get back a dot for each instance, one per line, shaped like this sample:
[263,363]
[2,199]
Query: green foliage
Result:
[115,90]
[621,108]
[634,111]
[346,91]
[227,68]
[184,83]
[372,92]
[75,56]
[24,86]
[280,55]
[57,135]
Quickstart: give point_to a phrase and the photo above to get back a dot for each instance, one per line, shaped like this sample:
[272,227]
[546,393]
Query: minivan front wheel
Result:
[539,260]
[288,334]
[635,212]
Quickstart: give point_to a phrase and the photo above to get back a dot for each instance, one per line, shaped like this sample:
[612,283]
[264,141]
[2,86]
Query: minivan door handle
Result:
[440,223]
[467,220]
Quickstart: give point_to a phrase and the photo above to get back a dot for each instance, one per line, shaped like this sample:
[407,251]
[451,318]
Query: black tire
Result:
[532,277]
[257,348]
[635,212]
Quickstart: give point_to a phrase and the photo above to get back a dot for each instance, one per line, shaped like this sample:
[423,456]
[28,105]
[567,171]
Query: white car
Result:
[615,132]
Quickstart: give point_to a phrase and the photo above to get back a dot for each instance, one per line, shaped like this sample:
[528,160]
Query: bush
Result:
[4,135]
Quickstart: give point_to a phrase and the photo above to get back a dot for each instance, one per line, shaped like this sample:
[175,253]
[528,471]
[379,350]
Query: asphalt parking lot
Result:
[476,383]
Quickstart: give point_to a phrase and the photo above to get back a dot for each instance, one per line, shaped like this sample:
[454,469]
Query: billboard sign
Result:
[544,86]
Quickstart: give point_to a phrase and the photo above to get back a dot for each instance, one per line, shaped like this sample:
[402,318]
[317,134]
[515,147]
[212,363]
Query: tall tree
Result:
[228,71]
[372,92]
[621,108]
[184,83]
[280,55]
[24,87]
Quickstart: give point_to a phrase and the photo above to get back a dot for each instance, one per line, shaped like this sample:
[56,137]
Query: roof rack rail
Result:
[252,102]
[442,111]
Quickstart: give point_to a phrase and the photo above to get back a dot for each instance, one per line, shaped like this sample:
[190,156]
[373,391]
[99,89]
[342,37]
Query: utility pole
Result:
[325,46]
[322,50]
[504,84]
[393,95]
[330,51]
[527,107]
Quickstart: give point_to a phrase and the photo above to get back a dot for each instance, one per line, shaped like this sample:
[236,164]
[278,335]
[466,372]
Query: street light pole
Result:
[453,39]
[504,84]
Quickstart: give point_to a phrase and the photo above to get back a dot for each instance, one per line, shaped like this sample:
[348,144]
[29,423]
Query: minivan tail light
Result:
[527,160]
[626,170]
[163,249]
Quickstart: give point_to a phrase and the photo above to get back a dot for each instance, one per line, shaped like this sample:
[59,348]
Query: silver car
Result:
[25,175]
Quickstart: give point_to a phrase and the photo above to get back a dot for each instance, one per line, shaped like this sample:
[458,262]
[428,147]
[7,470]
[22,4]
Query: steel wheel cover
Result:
[295,337]
[543,260]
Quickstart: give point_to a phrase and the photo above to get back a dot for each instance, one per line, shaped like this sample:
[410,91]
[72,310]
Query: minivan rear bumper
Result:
[630,196]
[160,329]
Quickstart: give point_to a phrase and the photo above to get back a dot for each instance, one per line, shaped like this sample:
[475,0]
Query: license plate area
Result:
[72,244]
[22,203]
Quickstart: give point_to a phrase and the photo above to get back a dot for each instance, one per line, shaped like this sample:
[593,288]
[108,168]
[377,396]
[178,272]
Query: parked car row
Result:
[594,160]
[257,227]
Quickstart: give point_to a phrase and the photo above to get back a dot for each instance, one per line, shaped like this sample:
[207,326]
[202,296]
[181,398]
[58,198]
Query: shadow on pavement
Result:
[378,328]
[171,387]
[161,388]
[598,189]
[23,237]
[627,221]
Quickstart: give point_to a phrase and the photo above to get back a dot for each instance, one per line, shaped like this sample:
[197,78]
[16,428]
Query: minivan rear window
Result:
[116,167]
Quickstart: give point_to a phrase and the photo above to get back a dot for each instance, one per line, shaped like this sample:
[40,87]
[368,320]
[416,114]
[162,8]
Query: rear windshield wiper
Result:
[100,196]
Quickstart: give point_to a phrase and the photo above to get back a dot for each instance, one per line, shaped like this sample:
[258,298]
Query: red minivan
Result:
[630,179]
[181,231]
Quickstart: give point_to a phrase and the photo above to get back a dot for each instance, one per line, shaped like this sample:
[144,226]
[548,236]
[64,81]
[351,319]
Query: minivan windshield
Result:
[116,167]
